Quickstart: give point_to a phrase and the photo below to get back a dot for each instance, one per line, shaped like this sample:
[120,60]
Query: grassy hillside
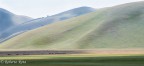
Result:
[116,27]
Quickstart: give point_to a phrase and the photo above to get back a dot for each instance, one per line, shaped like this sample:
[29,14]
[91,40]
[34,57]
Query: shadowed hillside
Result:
[116,27]
[8,19]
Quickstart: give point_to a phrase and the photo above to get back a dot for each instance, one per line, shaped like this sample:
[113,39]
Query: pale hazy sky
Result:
[42,8]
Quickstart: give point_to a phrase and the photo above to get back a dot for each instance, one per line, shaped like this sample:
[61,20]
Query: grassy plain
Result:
[77,60]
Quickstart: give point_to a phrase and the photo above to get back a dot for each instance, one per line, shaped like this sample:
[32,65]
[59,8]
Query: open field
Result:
[125,57]
[76,60]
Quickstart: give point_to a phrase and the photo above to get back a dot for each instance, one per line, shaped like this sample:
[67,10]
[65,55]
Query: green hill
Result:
[115,27]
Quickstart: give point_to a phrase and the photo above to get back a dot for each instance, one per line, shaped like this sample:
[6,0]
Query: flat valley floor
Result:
[93,58]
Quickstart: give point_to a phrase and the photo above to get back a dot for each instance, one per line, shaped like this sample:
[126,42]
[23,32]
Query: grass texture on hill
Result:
[115,27]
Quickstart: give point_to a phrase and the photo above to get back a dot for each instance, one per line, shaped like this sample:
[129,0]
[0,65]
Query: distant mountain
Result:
[8,19]
[118,27]
[72,13]
[35,23]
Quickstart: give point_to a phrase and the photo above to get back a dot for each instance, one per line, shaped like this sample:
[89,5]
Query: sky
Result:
[43,8]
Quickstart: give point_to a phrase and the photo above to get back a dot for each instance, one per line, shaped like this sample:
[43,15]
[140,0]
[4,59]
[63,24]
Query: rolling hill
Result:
[118,27]
[39,22]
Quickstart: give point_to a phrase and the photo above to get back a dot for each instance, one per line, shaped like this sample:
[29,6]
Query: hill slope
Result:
[115,28]
[33,24]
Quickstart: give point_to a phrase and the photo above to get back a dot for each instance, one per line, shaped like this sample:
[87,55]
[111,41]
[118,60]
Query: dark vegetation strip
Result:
[86,61]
